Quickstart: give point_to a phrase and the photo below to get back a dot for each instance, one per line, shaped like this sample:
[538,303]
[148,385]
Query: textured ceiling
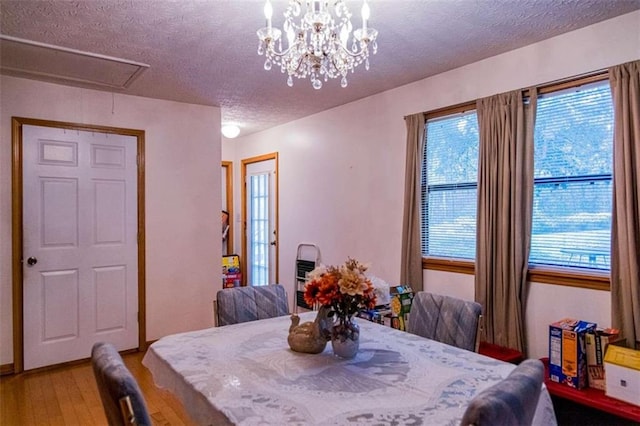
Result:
[205,52]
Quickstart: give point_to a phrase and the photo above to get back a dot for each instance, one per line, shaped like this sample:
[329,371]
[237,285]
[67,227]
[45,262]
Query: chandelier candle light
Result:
[318,44]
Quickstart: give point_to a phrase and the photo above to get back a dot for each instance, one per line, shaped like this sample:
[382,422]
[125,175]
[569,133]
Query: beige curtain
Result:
[625,227]
[411,261]
[505,192]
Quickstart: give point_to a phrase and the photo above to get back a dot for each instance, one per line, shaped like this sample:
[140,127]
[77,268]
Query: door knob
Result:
[273,243]
[32,261]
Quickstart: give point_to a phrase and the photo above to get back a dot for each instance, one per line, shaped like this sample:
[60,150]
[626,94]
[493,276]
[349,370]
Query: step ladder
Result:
[307,258]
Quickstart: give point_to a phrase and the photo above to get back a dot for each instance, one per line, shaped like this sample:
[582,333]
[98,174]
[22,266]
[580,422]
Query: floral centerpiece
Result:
[345,291]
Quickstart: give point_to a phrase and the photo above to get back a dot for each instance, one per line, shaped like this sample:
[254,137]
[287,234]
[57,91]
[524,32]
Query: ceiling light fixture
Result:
[318,44]
[230,131]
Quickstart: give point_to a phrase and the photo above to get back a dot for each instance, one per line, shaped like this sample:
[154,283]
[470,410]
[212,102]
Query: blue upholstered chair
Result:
[445,319]
[120,394]
[512,401]
[242,304]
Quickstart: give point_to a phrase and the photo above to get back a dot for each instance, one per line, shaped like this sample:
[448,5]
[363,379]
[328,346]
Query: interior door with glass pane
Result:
[261,223]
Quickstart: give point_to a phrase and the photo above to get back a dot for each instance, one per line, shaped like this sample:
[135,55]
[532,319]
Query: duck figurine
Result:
[310,337]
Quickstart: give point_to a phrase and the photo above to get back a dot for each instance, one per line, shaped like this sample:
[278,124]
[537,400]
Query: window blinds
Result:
[573,146]
[449,186]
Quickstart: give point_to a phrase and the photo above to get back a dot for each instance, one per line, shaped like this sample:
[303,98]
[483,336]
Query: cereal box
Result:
[597,342]
[567,352]
[401,299]
[231,275]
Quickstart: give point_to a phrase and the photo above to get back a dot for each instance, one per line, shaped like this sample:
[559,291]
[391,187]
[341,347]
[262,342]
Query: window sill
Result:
[594,280]
[461,266]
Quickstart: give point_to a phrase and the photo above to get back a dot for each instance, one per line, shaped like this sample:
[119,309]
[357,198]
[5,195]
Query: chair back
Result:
[242,304]
[512,401]
[445,319]
[120,394]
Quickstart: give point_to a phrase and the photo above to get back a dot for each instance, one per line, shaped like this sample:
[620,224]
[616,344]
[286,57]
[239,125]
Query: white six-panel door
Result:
[80,259]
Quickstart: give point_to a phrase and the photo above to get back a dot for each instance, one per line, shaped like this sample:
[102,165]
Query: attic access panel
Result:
[41,61]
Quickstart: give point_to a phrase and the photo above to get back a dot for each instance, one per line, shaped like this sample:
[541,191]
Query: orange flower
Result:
[311,290]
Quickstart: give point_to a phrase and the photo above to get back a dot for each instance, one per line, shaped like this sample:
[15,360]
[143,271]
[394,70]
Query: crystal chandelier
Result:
[318,46]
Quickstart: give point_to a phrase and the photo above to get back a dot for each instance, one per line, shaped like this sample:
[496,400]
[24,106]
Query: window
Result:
[572,194]
[259,226]
[573,154]
[449,186]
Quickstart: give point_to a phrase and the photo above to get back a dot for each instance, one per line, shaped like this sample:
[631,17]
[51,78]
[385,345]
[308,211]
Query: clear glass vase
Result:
[345,338]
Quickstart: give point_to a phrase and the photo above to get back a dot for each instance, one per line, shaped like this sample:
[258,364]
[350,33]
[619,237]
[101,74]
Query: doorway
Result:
[78,240]
[260,219]
[227,207]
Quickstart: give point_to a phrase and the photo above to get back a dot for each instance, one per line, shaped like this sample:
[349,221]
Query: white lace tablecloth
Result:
[246,374]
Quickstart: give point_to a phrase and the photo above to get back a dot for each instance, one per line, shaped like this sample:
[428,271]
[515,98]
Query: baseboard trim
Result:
[6,369]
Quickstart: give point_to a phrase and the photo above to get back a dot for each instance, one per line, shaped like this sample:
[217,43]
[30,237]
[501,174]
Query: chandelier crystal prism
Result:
[320,45]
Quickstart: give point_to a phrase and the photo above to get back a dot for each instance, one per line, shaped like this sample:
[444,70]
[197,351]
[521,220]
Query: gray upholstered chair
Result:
[445,319]
[120,394]
[512,401]
[242,304]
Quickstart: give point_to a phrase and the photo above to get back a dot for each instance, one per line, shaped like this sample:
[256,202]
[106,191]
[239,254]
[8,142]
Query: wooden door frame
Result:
[245,163]
[17,226]
[228,166]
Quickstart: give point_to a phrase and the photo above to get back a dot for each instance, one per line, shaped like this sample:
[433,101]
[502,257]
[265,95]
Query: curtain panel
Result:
[505,193]
[411,260]
[625,223]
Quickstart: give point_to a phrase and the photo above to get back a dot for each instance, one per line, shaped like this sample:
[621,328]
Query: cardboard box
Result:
[567,352]
[231,280]
[622,366]
[377,315]
[401,299]
[597,342]
[231,275]
[230,264]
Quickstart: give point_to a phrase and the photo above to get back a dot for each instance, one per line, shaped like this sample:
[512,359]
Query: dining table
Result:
[246,374]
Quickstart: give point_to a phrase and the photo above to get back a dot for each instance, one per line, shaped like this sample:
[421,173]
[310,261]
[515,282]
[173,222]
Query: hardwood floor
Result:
[69,396]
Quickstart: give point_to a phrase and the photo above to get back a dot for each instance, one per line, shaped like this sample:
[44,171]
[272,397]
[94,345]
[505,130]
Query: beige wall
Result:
[182,195]
[342,170]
